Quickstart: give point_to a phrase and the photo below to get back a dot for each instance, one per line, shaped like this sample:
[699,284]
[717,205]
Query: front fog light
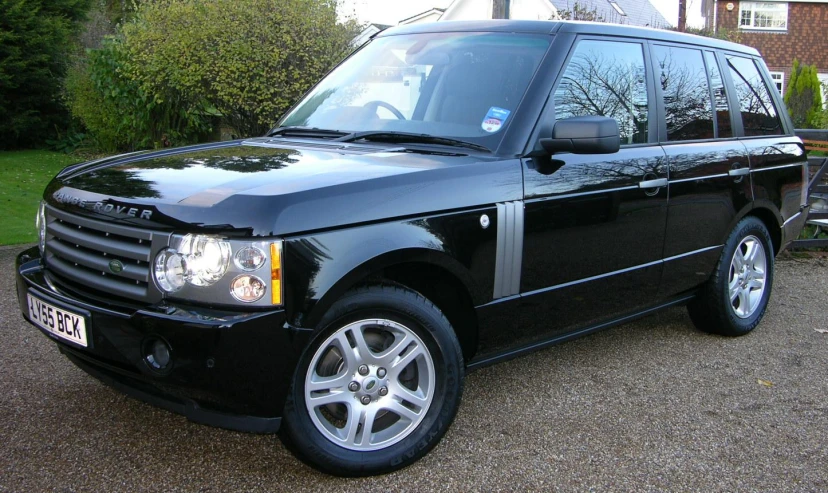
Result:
[170,271]
[247,289]
[157,354]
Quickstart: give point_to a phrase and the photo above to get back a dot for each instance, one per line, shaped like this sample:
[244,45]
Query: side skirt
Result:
[514,353]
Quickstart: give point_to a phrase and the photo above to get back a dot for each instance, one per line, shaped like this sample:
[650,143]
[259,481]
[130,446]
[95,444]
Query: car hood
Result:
[278,187]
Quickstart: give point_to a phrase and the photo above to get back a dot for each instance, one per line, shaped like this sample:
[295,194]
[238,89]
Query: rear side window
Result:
[759,116]
[606,78]
[723,125]
[686,93]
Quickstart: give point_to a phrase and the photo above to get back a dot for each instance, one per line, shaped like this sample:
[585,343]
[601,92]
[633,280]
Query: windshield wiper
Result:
[306,132]
[403,137]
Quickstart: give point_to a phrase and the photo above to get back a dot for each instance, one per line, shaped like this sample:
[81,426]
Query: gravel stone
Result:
[653,405]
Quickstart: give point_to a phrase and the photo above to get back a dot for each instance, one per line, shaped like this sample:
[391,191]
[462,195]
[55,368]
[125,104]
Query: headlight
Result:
[40,224]
[206,259]
[217,270]
[170,271]
[250,258]
[198,260]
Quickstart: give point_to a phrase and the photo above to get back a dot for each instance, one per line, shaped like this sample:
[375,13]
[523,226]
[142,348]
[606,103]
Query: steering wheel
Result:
[377,104]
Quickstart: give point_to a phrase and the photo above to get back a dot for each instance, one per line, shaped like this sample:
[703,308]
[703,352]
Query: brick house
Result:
[780,30]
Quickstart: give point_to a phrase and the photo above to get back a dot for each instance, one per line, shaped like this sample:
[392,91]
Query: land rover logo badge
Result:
[116,266]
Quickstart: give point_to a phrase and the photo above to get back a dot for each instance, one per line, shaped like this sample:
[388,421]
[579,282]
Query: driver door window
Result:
[606,78]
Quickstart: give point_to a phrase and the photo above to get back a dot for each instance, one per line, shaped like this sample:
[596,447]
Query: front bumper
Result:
[230,369]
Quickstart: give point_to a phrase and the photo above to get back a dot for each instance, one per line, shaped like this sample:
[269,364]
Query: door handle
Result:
[657,183]
[739,172]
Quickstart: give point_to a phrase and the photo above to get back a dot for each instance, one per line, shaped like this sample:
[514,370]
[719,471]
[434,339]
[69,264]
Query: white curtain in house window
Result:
[763,15]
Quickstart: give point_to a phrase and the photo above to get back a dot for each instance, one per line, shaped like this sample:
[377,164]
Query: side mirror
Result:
[584,135]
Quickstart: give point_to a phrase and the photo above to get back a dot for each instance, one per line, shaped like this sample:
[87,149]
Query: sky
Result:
[393,11]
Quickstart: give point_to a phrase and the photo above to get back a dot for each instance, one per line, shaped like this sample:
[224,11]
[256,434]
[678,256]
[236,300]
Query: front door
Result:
[593,236]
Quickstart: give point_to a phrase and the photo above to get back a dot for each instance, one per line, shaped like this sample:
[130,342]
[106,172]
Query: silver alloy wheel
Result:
[369,384]
[747,276]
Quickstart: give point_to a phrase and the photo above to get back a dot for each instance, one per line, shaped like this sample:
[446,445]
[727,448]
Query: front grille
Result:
[79,252]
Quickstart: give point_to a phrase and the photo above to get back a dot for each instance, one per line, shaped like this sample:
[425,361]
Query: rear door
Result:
[777,161]
[709,169]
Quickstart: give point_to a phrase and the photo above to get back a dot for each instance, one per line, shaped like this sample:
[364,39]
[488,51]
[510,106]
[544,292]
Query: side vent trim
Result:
[509,257]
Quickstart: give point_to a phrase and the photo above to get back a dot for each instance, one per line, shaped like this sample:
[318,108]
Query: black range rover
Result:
[451,195]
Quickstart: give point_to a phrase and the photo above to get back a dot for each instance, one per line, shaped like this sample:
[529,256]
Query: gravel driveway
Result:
[652,405]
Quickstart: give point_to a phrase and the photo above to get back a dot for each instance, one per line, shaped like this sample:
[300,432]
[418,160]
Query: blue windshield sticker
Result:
[495,119]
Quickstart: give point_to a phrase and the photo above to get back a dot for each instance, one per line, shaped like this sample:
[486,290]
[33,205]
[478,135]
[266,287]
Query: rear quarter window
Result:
[759,115]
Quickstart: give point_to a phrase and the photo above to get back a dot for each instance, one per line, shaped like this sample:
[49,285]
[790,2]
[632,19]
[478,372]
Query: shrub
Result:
[119,113]
[175,66]
[803,97]
[35,38]
[248,59]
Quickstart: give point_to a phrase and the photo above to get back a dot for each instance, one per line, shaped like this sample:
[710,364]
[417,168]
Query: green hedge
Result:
[35,38]
[178,65]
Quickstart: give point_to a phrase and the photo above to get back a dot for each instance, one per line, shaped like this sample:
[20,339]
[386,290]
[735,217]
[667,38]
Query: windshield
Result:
[454,85]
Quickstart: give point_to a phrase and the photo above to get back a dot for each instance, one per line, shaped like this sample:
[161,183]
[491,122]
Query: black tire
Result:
[402,306]
[712,310]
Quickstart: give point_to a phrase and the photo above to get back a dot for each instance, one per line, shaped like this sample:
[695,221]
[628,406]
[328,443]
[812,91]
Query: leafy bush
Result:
[803,97]
[177,65]
[248,59]
[119,114]
[35,38]
[68,142]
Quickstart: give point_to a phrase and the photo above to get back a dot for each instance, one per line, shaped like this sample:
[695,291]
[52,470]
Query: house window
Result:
[779,80]
[823,85]
[617,7]
[763,15]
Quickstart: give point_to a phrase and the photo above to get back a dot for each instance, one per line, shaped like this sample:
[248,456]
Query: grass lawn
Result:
[23,176]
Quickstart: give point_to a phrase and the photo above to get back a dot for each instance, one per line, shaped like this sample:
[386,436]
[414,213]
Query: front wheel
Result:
[378,386]
[735,298]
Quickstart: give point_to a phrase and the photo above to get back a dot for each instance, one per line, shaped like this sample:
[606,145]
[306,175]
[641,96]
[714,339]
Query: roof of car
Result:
[556,27]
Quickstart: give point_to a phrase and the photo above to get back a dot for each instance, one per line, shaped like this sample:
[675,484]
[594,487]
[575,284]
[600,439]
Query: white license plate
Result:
[62,323]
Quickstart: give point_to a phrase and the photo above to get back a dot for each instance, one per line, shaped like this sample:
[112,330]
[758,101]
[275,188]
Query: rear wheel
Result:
[735,298]
[378,386]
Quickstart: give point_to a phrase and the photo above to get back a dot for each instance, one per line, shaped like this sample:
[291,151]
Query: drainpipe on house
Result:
[501,9]
[715,14]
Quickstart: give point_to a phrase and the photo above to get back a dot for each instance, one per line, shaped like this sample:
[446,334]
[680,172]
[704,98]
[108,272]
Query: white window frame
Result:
[750,9]
[823,86]
[778,79]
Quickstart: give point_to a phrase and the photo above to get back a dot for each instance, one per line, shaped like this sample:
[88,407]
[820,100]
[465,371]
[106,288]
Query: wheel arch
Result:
[773,222]
[766,212]
[435,275]
[427,267]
